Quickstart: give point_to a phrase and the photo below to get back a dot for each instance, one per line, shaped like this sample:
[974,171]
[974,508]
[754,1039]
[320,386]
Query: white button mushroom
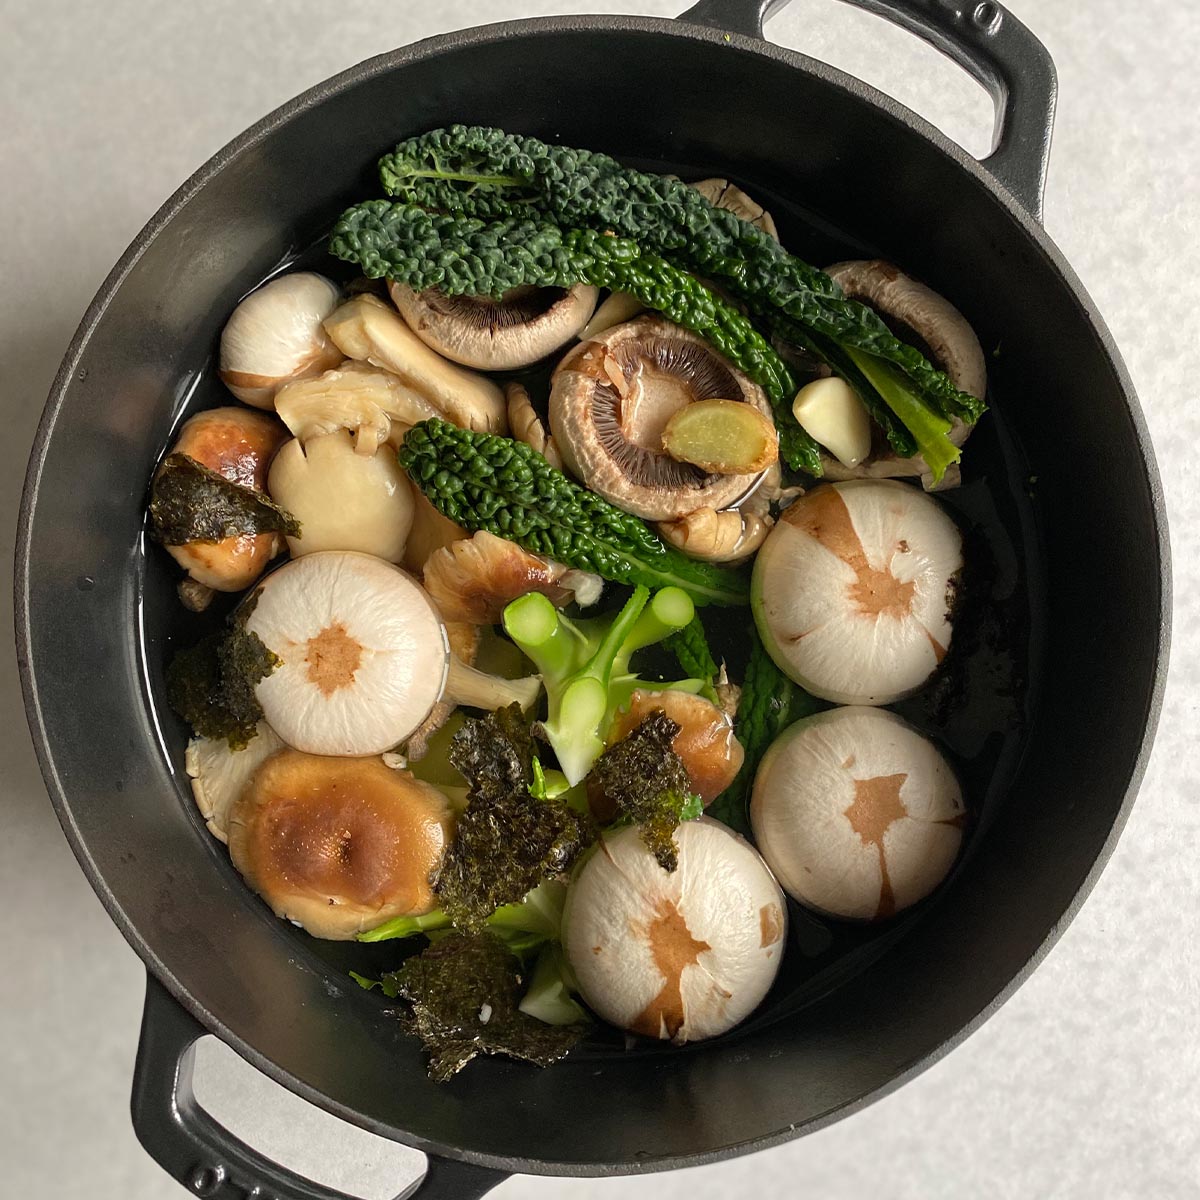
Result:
[856,813]
[683,955]
[275,334]
[343,500]
[364,655]
[853,589]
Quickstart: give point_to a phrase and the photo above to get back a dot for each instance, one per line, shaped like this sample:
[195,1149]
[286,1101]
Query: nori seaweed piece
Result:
[190,502]
[506,842]
[211,684]
[642,780]
[464,990]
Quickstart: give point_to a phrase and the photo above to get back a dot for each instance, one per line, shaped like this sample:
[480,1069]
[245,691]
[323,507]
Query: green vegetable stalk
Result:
[770,702]
[585,664]
[464,256]
[487,173]
[483,481]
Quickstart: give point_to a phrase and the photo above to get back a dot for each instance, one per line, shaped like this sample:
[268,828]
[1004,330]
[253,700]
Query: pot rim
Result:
[397,59]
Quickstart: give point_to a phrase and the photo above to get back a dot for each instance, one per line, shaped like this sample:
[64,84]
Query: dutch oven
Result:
[1072,499]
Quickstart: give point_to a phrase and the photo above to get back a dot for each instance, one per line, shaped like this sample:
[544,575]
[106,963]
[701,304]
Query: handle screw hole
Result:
[986,16]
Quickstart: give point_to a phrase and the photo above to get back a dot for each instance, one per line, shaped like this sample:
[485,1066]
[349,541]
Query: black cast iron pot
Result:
[1071,499]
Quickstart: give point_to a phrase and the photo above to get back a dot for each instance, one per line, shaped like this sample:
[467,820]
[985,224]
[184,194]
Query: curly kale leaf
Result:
[642,781]
[689,645]
[483,481]
[506,842]
[464,256]
[464,990]
[190,502]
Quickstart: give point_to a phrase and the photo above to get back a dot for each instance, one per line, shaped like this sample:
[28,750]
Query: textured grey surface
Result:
[1087,1083]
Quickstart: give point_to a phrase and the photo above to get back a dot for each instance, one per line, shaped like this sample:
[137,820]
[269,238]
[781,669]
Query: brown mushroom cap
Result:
[705,743]
[611,398]
[520,328]
[338,845]
[923,318]
[239,444]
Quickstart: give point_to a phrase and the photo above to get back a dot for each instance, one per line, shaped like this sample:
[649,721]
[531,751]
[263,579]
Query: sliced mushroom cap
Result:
[522,327]
[239,444]
[685,954]
[857,814]
[610,400]
[338,845]
[921,317]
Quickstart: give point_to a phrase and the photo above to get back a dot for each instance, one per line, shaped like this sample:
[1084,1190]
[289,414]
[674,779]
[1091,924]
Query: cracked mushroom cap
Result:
[612,396]
[857,814]
[338,845]
[921,317]
[522,327]
[679,955]
[853,590]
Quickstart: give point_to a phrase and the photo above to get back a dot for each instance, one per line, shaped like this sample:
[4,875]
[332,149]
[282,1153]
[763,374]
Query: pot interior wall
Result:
[854,167]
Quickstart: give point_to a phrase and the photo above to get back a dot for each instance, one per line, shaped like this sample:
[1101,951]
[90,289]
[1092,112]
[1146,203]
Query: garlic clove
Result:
[343,500]
[363,654]
[276,334]
[616,309]
[829,411]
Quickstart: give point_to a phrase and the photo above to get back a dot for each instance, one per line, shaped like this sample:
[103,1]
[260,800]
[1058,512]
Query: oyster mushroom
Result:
[238,444]
[473,580]
[705,743]
[219,775]
[853,589]
[522,327]
[275,335]
[920,316]
[611,398]
[857,814]
[364,656]
[374,405]
[338,845]
[683,955]
[343,500]
[368,330]
[430,532]
[526,426]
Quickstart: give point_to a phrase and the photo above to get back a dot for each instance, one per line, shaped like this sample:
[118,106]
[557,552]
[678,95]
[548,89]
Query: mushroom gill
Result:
[612,397]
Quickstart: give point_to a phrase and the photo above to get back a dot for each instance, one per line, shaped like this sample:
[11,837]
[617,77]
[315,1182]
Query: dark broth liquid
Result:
[976,709]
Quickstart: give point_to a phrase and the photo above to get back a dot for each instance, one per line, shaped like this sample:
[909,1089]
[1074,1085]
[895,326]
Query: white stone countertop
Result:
[1086,1085]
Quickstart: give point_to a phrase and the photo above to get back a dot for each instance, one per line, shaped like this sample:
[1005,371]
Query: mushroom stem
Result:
[466,685]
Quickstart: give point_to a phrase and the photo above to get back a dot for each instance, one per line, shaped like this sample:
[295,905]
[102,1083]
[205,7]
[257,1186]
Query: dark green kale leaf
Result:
[464,992]
[190,502]
[507,841]
[643,781]
[211,684]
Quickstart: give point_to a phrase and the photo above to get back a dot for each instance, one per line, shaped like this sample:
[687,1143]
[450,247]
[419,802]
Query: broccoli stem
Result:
[670,609]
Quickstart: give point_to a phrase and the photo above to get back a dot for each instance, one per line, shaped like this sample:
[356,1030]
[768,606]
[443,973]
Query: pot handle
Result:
[205,1157]
[982,37]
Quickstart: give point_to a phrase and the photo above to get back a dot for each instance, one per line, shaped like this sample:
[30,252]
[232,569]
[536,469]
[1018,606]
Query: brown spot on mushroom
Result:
[674,949]
[333,656]
[770,924]
[825,518]
[877,804]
